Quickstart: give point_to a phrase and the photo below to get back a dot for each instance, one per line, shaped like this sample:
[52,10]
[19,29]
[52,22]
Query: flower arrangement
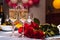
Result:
[32,31]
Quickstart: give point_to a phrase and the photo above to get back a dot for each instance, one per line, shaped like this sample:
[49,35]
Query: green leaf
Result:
[37,21]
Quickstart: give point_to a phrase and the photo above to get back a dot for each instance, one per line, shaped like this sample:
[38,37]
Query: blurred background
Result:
[45,12]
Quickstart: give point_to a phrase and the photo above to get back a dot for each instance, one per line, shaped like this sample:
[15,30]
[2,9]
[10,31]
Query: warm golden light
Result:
[56,4]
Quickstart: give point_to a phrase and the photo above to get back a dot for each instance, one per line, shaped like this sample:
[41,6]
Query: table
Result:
[6,36]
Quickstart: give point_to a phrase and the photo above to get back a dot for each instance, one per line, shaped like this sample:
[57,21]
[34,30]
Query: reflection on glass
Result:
[13,18]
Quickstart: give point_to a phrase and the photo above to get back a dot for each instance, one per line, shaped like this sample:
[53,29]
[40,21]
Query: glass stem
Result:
[23,31]
[13,30]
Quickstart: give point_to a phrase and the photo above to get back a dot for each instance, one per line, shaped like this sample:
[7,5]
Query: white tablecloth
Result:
[6,36]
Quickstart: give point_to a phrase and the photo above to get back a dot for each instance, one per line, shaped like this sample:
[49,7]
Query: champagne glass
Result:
[22,18]
[21,14]
[13,18]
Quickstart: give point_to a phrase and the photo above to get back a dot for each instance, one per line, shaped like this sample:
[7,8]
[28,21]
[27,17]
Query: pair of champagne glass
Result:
[21,18]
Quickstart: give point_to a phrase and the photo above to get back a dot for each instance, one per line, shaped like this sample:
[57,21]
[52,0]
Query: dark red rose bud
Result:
[35,25]
[38,34]
[42,33]
[29,32]
[20,30]
[35,31]
[26,25]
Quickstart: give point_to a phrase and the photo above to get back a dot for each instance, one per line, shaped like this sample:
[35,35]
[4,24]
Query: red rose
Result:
[32,33]
[29,32]
[20,30]
[34,25]
[39,34]
[26,25]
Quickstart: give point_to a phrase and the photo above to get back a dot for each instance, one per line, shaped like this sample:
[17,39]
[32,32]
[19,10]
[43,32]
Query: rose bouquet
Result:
[32,31]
